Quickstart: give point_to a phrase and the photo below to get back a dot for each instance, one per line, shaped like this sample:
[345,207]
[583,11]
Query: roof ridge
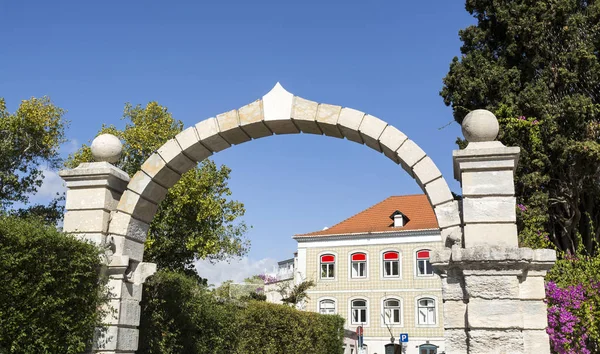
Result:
[361,212]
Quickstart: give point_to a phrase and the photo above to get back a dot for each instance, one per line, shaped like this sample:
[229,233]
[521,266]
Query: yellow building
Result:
[373,269]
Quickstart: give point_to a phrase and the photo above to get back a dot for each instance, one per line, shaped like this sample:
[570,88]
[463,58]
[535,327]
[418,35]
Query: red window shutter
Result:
[359,257]
[327,258]
[391,256]
[422,254]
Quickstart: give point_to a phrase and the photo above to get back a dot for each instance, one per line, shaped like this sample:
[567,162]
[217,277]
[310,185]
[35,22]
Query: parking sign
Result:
[403,337]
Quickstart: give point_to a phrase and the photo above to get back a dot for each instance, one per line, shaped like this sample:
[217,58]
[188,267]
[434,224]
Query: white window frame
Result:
[400,308]
[351,311]
[391,277]
[351,265]
[435,311]
[335,267]
[416,267]
[331,299]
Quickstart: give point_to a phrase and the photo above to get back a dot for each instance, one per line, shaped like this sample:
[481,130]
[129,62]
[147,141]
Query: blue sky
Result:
[386,58]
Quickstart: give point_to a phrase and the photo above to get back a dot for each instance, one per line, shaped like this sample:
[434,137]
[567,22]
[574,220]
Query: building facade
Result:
[373,269]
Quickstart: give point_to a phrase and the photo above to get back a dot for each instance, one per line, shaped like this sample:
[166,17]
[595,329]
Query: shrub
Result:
[272,329]
[50,289]
[179,315]
[573,297]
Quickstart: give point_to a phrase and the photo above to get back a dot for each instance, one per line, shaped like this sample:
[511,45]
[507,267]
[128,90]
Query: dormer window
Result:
[399,218]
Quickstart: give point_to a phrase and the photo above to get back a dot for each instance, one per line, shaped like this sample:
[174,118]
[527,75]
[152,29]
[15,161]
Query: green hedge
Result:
[49,289]
[181,316]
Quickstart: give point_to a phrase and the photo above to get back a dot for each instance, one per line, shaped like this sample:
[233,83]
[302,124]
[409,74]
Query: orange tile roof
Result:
[377,218]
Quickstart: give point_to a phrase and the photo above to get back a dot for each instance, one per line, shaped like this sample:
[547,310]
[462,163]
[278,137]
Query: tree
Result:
[295,295]
[536,65]
[196,219]
[31,138]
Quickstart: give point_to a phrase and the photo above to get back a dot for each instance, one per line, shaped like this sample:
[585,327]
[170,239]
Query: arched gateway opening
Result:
[278,112]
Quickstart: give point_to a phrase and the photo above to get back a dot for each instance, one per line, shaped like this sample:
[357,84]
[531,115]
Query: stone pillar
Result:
[493,291]
[93,192]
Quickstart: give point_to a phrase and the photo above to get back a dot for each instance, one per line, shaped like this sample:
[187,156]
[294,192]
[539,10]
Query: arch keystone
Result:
[277,106]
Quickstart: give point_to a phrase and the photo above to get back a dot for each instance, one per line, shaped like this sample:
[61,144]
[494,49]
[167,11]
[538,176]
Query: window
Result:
[426,311]
[359,311]
[423,266]
[327,307]
[391,311]
[359,265]
[391,264]
[427,349]
[327,266]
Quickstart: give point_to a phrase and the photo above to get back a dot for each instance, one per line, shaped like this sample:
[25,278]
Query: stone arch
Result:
[278,112]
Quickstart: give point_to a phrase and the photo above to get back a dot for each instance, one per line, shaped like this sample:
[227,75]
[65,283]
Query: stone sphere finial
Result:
[480,125]
[106,147]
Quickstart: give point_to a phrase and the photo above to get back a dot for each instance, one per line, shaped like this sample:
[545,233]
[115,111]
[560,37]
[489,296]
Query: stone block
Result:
[92,198]
[532,288]
[482,183]
[327,119]
[452,235]
[125,225]
[456,341]
[143,185]
[190,145]
[95,174]
[93,238]
[251,120]
[447,214]
[140,208]
[535,314]
[453,287]
[371,129]
[410,153]
[349,122]
[544,255]
[390,141]
[157,169]
[229,127]
[455,314]
[86,221]
[438,192]
[489,210]
[504,314]
[492,287]
[132,248]
[496,342]
[129,314]
[425,171]
[536,341]
[208,134]
[304,114]
[172,154]
[492,234]
[277,108]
